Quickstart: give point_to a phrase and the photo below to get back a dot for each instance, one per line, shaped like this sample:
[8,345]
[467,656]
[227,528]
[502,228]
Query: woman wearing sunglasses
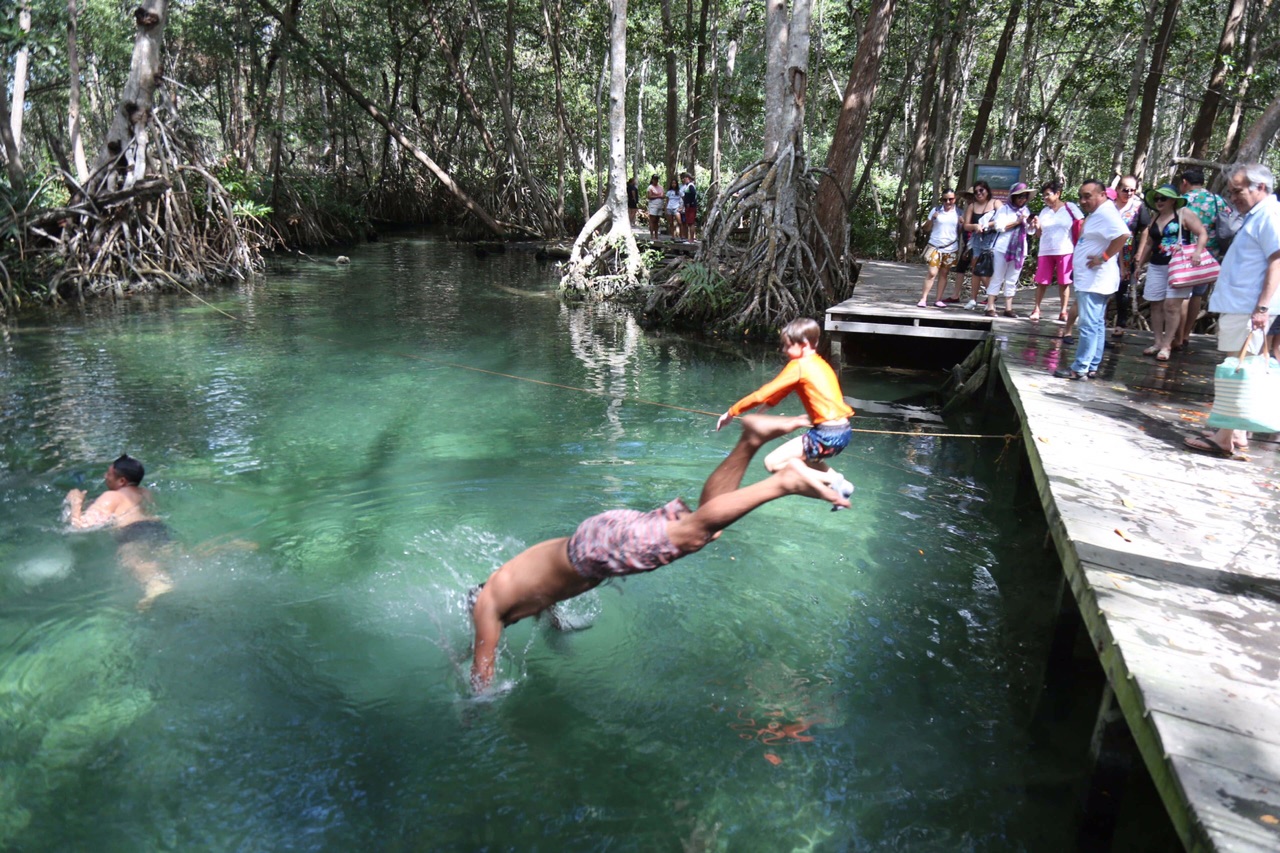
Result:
[943,226]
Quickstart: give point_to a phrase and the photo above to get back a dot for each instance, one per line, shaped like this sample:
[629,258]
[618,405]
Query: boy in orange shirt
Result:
[816,385]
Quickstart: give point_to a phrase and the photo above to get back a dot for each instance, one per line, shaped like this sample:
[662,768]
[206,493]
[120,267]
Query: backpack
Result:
[1226,223]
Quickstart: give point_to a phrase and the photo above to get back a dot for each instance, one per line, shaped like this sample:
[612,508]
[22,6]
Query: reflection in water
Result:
[813,681]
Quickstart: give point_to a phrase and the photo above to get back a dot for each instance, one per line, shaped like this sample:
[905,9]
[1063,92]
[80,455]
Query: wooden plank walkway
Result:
[1173,557]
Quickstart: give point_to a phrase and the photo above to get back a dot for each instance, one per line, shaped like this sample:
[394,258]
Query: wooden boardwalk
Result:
[1173,557]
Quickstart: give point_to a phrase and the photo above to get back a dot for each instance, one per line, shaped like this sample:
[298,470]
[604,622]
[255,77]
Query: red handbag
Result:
[1077,224]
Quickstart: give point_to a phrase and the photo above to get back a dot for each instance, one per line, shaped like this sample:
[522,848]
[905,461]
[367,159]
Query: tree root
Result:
[177,228]
[763,260]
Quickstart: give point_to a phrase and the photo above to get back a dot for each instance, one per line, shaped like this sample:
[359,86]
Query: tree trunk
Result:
[1151,89]
[1135,87]
[842,157]
[1202,130]
[639,163]
[1260,134]
[20,62]
[614,210]
[13,164]
[993,86]
[775,57]
[381,118]
[464,91]
[1020,92]
[123,161]
[673,106]
[695,98]
[277,130]
[713,185]
[914,171]
[944,92]
[1244,76]
[73,98]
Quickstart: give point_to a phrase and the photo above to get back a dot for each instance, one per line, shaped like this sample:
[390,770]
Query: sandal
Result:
[990,312]
[1035,315]
[1151,350]
[922,304]
[1009,312]
[1238,445]
[1200,444]
[1062,317]
[939,304]
[1163,355]
[1092,374]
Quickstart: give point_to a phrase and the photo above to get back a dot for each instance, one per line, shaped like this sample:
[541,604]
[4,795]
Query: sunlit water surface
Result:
[337,480]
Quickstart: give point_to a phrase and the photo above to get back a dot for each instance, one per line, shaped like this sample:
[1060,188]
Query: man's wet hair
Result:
[129,468]
[804,330]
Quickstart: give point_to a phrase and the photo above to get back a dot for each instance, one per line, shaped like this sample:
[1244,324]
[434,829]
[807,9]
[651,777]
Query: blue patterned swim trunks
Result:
[826,440]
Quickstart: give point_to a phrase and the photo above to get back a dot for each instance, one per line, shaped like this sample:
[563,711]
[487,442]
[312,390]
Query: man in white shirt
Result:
[1095,272]
[1248,288]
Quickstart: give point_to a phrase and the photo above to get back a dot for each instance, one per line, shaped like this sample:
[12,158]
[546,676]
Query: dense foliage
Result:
[509,98]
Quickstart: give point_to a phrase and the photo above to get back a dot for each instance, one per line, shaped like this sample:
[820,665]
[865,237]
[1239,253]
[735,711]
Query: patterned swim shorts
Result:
[825,441]
[625,542]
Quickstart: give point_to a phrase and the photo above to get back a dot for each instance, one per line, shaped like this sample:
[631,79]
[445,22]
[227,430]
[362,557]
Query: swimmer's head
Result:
[129,469]
[803,330]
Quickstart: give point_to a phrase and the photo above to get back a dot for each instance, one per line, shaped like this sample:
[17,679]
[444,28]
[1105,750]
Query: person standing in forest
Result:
[633,200]
[1056,224]
[674,209]
[657,202]
[689,198]
[1248,288]
[943,226]
[1206,206]
[1171,226]
[1096,272]
[1012,224]
[978,215]
[1138,218]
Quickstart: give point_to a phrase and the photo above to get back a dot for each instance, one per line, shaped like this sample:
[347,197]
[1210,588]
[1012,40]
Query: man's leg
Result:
[694,531]
[757,430]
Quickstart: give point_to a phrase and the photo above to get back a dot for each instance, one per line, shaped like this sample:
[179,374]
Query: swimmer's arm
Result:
[488,632]
[99,514]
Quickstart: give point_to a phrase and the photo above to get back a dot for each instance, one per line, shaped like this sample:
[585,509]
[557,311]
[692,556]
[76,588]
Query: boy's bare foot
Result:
[764,428]
[800,479]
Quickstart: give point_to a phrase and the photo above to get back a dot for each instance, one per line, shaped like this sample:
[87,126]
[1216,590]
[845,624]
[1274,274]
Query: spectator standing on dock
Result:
[657,201]
[943,226]
[1096,270]
[1206,206]
[1056,224]
[1012,224]
[1248,288]
[1172,224]
[1138,218]
[633,199]
[689,198]
[978,216]
[674,207]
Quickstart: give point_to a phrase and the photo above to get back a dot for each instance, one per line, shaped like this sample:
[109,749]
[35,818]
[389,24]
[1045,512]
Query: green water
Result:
[861,680]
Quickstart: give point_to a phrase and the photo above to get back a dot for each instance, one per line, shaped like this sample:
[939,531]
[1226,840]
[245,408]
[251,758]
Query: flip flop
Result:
[1238,445]
[1163,355]
[1200,444]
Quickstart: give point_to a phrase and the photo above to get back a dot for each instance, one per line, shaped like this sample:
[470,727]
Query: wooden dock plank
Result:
[1174,558]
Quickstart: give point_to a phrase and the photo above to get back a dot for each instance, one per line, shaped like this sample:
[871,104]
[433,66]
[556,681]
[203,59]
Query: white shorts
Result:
[1156,288]
[1004,277]
[1232,331]
[655,206]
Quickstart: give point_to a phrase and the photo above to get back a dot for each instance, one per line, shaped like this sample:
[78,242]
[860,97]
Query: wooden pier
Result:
[1173,557]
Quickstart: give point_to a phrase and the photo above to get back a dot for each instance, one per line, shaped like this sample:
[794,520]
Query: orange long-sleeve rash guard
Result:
[814,382]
